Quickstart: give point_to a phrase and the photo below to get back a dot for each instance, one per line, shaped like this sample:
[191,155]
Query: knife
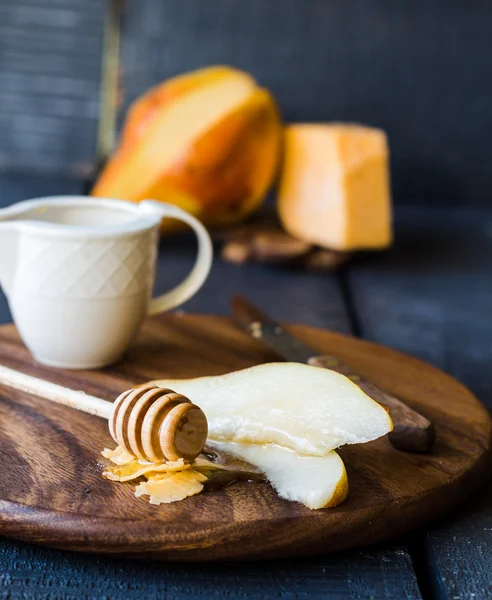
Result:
[412,431]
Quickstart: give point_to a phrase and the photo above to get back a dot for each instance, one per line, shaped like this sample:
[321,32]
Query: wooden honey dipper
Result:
[150,422]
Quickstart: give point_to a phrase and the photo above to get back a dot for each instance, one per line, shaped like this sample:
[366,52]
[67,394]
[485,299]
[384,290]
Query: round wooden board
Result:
[52,493]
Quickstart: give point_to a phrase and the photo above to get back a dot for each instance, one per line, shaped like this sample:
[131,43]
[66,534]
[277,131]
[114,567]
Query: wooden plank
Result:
[293,295]
[458,551]
[370,62]
[50,57]
[431,296]
[48,574]
[15,187]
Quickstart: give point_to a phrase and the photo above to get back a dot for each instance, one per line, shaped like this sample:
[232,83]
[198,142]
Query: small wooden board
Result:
[52,493]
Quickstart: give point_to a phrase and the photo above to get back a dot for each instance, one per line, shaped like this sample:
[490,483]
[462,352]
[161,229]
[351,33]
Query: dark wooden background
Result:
[421,70]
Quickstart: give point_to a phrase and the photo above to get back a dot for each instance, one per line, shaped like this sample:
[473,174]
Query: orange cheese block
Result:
[334,188]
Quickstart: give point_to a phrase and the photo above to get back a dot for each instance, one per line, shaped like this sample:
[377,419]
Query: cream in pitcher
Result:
[78,274]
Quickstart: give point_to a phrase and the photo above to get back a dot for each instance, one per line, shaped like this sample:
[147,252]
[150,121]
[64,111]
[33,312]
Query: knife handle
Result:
[412,431]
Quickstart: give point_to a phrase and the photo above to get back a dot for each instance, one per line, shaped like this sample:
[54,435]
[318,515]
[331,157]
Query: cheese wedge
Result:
[334,188]
[164,488]
[307,409]
[319,482]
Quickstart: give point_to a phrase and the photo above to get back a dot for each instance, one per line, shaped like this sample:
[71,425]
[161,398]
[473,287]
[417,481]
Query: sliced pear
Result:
[317,482]
[307,409]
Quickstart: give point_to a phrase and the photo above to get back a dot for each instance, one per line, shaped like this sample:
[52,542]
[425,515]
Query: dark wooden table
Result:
[394,65]
[431,296]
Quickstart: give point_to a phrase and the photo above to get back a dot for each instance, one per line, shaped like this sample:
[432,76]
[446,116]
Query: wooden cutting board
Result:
[52,493]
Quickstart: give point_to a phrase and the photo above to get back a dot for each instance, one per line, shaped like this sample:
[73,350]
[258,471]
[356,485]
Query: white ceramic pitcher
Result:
[78,273]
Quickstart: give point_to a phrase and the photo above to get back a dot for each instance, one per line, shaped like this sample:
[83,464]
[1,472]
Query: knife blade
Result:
[412,431]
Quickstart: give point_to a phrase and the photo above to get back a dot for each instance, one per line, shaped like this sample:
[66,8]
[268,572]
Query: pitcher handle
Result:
[198,274]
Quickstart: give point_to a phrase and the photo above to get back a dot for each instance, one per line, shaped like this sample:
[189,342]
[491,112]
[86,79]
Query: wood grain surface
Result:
[431,296]
[50,77]
[52,492]
[47,574]
[336,61]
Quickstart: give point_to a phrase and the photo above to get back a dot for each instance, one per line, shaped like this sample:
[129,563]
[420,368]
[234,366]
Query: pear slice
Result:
[317,482]
[307,409]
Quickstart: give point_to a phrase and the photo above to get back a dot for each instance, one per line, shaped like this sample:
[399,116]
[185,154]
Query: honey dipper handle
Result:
[55,393]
